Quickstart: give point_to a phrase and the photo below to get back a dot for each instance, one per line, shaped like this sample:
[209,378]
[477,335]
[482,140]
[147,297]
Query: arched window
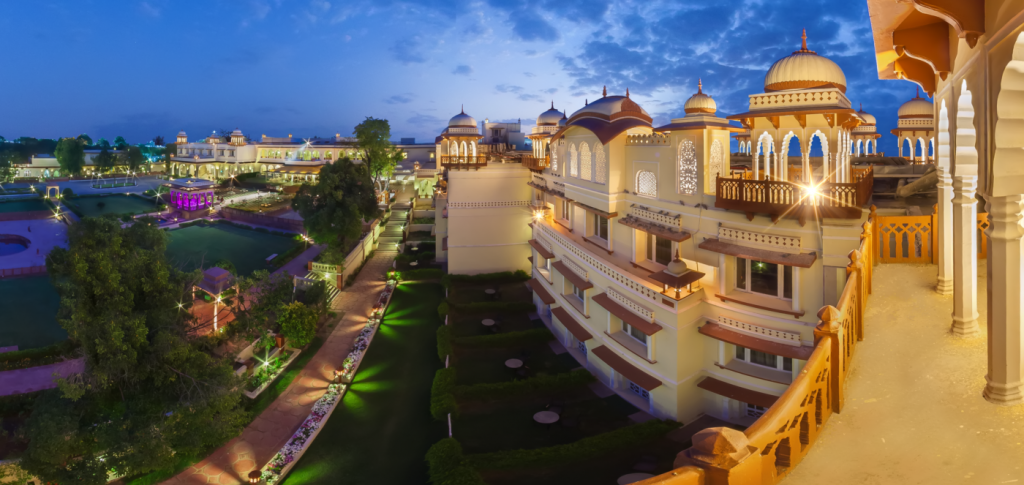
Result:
[602,165]
[463,151]
[715,166]
[554,157]
[574,163]
[585,167]
[646,183]
[687,168]
[330,156]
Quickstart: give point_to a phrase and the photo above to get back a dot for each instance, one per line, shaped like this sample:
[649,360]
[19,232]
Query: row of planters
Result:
[495,382]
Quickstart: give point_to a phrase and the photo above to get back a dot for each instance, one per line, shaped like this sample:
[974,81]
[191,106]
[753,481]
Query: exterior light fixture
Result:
[811,191]
[255,476]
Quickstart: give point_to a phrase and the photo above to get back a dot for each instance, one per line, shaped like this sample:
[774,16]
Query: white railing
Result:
[808,97]
[635,307]
[788,338]
[666,218]
[575,268]
[747,238]
[462,130]
[488,204]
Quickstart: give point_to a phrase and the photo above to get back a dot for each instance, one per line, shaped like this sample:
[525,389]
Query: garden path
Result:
[262,438]
[21,381]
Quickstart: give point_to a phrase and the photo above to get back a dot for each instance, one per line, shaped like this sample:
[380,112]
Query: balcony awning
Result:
[738,393]
[629,371]
[728,335]
[541,292]
[572,276]
[604,214]
[648,328]
[571,324]
[541,250]
[804,260]
[659,230]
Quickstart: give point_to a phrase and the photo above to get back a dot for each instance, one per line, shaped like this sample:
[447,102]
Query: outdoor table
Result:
[546,417]
[414,248]
[488,322]
[414,263]
[490,291]
[513,363]
[633,478]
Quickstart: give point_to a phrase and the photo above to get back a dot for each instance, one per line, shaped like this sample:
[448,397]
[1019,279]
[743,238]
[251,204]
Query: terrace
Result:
[458,162]
[787,199]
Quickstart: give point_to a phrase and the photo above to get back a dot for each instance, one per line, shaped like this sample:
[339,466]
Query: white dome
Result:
[804,69]
[916,108]
[608,106]
[462,120]
[550,117]
[868,118]
[563,120]
[700,102]
[237,132]
[181,133]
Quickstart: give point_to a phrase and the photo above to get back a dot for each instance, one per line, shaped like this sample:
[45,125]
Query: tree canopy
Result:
[148,393]
[334,209]
[85,139]
[298,323]
[103,143]
[133,159]
[119,143]
[374,137]
[158,141]
[70,155]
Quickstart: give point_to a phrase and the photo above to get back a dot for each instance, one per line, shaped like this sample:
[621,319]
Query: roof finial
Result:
[862,106]
[604,92]
[585,102]
[627,92]
[918,95]
[804,37]
[463,109]
[552,104]
[700,86]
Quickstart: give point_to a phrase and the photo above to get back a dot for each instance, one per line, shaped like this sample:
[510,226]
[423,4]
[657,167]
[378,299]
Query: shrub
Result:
[442,309]
[442,401]
[68,193]
[427,256]
[501,277]
[493,306]
[427,246]
[405,258]
[298,323]
[448,465]
[423,220]
[421,274]
[510,339]
[498,390]
[21,359]
[584,449]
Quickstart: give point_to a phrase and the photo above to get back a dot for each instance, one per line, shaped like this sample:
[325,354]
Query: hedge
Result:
[449,466]
[421,274]
[584,449]
[444,341]
[500,277]
[509,339]
[497,390]
[492,306]
[21,359]
[442,401]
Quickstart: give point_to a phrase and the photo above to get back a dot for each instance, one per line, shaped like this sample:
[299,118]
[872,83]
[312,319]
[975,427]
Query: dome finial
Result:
[804,37]
[700,86]
[918,95]
[862,106]
[463,109]
[585,102]
[627,92]
[604,92]
[552,104]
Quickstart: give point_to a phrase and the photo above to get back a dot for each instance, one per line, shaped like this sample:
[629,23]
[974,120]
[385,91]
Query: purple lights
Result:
[191,201]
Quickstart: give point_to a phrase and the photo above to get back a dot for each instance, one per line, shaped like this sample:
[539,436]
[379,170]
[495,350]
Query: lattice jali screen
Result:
[687,168]
[715,166]
[585,162]
[646,183]
[602,165]
[574,162]
[905,239]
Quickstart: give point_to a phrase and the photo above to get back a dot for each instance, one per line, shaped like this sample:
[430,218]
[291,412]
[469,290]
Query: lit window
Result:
[634,332]
[600,227]
[764,278]
[659,249]
[764,359]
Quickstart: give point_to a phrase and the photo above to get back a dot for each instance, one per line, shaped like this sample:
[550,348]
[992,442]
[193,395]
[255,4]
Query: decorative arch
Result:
[463,150]
[784,158]
[574,163]
[765,149]
[687,163]
[1006,177]
[714,167]
[586,169]
[966,158]
[602,164]
[823,140]
[646,184]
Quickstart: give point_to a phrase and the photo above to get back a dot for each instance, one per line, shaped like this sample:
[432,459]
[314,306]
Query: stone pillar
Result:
[965,256]
[1004,303]
[725,455]
[945,232]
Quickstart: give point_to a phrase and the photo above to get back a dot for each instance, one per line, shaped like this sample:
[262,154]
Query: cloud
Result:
[529,97]
[399,99]
[149,10]
[529,74]
[463,70]
[551,90]
[407,50]
[506,88]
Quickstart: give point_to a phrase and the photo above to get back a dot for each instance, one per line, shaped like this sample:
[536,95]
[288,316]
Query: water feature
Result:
[12,244]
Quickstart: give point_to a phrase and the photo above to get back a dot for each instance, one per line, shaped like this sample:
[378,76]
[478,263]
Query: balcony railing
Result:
[535,163]
[778,199]
[458,162]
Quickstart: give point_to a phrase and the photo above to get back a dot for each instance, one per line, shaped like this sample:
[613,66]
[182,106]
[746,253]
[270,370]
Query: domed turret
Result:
[237,138]
[677,266]
[804,69]
[564,119]
[182,139]
[916,108]
[550,117]
[612,107]
[462,120]
[700,102]
[867,117]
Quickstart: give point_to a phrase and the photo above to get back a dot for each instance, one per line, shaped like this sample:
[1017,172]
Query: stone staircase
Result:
[392,234]
[332,289]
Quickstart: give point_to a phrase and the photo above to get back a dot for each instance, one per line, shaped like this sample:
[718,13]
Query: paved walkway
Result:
[21,381]
[44,235]
[263,437]
[914,412]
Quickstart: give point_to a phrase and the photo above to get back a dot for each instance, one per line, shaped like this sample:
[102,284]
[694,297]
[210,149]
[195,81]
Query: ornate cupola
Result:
[700,103]
[182,139]
[237,138]
[676,276]
[214,138]
[804,69]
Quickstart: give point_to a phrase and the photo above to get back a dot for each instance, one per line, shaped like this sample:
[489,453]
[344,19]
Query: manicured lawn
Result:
[476,366]
[28,313]
[472,325]
[382,429]
[464,293]
[193,246]
[112,204]
[24,206]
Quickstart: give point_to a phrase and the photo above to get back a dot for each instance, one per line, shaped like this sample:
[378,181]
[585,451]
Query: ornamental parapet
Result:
[802,98]
[654,139]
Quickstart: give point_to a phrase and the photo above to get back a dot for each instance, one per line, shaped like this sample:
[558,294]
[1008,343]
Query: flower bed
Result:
[275,373]
[285,459]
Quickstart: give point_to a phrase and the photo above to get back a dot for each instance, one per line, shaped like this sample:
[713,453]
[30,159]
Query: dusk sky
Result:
[146,68]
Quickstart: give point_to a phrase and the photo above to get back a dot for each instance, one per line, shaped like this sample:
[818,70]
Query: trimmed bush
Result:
[442,401]
[498,390]
[500,277]
[510,339]
[426,257]
[448,465]
[421,274]
[492,306]
[584,449]
[444,342]
[67,193]
[21,359]
[442,309]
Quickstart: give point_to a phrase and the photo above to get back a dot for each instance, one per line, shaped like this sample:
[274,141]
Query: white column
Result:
[965,256]
[721,274]
[874,146]
[945,229]
[796,289]
[1004,303]
[899,147]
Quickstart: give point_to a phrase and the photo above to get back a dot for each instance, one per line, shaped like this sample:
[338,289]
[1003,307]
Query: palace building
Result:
[916,129]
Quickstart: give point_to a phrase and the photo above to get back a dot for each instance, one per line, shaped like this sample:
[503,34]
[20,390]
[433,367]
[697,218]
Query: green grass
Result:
[28,313]
[382,429]
[207,244]
[112,204]
[482,365]
[28,205]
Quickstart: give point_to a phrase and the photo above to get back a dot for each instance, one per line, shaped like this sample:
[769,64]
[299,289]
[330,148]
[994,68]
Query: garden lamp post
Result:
[255,476]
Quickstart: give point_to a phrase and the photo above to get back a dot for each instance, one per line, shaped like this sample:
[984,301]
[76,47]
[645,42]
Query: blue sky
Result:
[315,67]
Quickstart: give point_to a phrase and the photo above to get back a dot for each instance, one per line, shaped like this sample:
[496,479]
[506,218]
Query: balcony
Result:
[787,199]
[537,164]
[614,266]
[458,162]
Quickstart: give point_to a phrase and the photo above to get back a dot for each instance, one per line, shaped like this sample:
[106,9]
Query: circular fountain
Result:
[12,244]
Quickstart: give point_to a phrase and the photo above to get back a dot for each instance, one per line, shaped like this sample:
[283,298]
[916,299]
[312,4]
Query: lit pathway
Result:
[914,412]
[259,441]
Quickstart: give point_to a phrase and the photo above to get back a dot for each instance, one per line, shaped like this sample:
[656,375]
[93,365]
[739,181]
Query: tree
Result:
[85,139]
[158,141]
[260,297]
[119,143]
[104,160]
[103,143]
[334,209]
[70,155]
[6,170]
[226,264]
[374,138]
[132,158]
[148,393]
[170,150]
[298,323]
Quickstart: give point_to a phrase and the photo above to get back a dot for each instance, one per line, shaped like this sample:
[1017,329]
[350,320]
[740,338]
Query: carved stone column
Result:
[965,256]
[1004,303]
[945,229]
